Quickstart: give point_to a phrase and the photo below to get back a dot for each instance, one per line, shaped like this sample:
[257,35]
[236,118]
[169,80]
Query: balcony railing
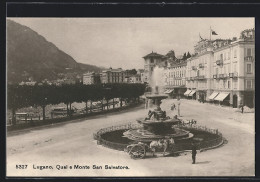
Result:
[225,75]
[219,62]
[201,66]
[192,78]
[215,76]
[249,58]
[233,75]
[221,76]
[194,68]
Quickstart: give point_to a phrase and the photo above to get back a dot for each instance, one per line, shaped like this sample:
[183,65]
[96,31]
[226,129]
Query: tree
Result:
[184,56]
[188,55]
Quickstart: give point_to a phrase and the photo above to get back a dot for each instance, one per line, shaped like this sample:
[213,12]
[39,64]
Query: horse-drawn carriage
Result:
[140,149]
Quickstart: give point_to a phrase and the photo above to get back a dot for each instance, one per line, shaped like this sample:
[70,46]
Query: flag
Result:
[213,32]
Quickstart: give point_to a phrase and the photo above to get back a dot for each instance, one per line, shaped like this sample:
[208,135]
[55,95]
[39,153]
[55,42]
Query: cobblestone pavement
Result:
[72,144]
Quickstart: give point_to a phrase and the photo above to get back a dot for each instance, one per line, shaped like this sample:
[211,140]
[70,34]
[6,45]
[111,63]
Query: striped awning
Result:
[192,92]
[168,91]
[221,96]
[213,95]
[187,92]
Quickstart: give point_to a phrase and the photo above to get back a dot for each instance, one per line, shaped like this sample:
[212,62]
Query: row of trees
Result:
[19,96]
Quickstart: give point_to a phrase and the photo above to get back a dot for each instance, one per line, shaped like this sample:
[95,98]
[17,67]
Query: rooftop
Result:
[153,54]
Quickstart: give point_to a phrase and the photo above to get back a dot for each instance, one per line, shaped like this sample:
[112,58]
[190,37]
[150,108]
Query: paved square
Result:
[72,143]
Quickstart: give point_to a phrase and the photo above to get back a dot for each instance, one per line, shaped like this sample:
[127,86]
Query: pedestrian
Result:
[178,104]
[242,109]
[193,152]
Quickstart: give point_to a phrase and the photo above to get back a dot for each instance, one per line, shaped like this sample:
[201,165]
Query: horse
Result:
[162,143]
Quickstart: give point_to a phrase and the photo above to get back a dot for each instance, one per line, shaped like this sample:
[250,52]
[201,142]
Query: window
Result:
[248,68]
[249,84]
[235,53]
[152,61]
[248,52]
[221,57]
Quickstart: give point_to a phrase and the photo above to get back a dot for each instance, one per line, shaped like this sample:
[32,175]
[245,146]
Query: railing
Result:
[249,58]
[231,75]
[235,74]
[221,76]
[194,68]
[201,66]
[202,145]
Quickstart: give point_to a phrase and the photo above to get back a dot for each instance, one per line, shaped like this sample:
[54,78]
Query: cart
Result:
[141,149]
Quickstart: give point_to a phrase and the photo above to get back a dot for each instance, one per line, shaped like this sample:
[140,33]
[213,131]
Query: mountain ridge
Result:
[29,54]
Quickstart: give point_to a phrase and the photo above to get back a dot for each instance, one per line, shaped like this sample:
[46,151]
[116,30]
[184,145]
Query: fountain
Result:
[157,125]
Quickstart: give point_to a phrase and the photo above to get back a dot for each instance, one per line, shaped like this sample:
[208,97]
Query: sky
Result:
[122,42]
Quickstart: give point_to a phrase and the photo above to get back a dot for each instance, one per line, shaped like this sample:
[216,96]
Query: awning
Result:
[213,95]
[168,91]
[187,92]
[192,92]
[221,96]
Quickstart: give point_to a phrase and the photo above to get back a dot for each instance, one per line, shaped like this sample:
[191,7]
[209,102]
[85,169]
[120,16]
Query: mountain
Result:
[31,55]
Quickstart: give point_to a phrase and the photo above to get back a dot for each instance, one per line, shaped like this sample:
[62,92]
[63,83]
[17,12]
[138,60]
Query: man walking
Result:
[193,152]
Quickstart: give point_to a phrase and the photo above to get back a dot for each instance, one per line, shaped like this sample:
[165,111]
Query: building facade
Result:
[223,70]
[199,68]
[91,78]
[112,76]
[175,78]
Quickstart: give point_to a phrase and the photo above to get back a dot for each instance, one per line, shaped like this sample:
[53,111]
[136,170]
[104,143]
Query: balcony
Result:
[233,75]
[201,66]
[225,75]
[219,62]
[249,58]
[215,76]
[191,78]
[188,78]
[194,68]
[221,76]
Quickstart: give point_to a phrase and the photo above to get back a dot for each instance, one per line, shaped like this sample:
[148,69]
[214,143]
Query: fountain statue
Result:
[157,124]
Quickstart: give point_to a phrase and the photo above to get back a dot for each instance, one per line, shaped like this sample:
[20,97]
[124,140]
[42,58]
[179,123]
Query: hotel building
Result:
[223,70]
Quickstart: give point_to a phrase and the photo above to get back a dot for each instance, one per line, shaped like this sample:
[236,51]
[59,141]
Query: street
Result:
[72,144]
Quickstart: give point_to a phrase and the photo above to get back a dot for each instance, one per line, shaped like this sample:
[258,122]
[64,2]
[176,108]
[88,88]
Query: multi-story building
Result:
[198,71]
[223,70]
[112,76]
[233,71]
[135,79]
[91,78]
[150,61]
[175,79]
